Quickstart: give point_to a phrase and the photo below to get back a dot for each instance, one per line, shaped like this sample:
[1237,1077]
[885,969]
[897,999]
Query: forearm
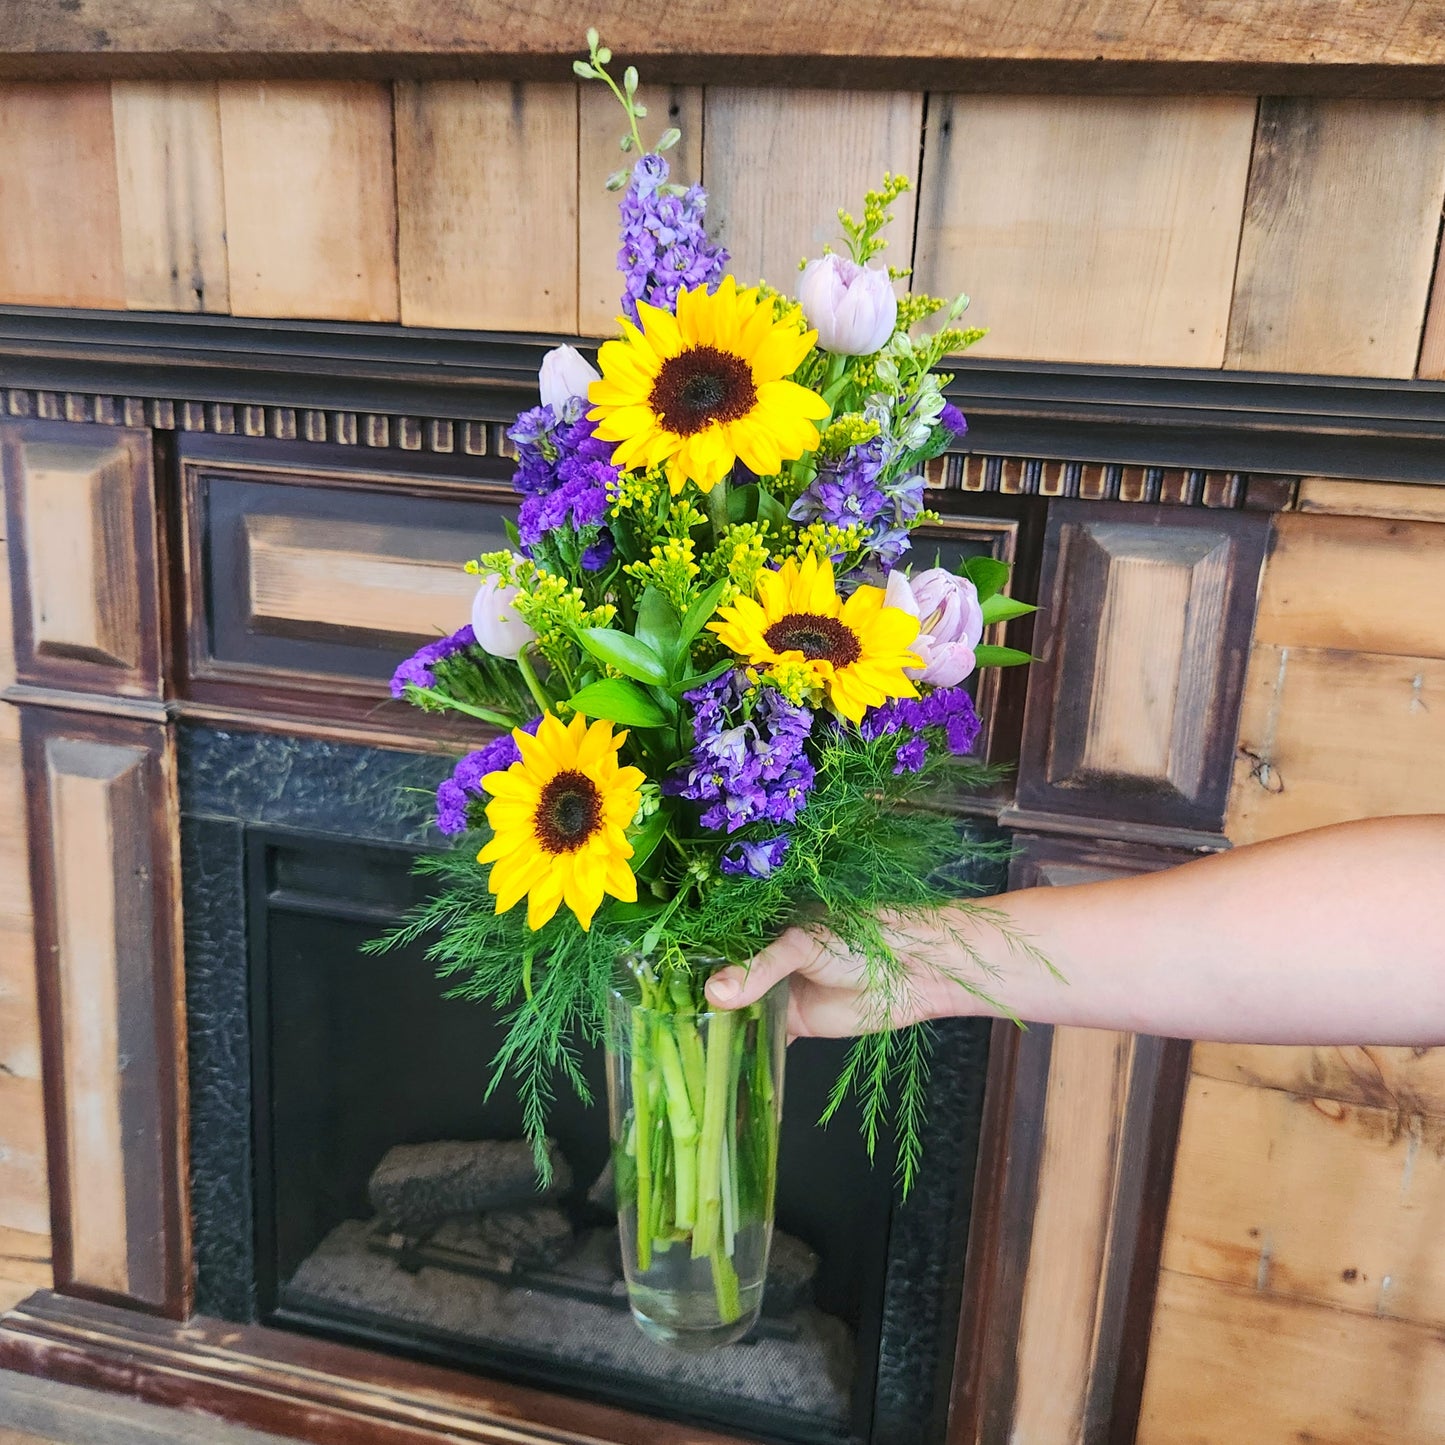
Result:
[1333,936]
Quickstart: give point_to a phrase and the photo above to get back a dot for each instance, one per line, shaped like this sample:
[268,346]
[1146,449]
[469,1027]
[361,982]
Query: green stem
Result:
[767,1114]
[725,1286]
[642,1139]
[717,511]
[534,683]
[710,1148]
[684,1127]
[482,714]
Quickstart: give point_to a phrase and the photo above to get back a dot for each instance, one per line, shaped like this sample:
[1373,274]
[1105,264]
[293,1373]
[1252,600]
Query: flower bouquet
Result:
[720,688]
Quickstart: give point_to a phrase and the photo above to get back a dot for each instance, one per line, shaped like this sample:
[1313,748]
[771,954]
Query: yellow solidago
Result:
[637,492]
[555,610]
[672,569]
[851,429]
[743,554]
[795,681]
[826,539]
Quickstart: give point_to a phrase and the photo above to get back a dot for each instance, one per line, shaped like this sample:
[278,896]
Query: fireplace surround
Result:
[271,515]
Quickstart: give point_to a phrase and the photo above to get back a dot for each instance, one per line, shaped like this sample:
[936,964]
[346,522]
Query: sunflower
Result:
[855,649]
[557,821]
[703,388]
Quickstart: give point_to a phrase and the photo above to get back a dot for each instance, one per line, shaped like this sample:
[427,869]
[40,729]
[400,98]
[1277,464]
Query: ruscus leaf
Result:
[624,652]
[614,699]
[989,656]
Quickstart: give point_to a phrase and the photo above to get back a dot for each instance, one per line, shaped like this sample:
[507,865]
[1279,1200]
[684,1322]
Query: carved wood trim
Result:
[102,815]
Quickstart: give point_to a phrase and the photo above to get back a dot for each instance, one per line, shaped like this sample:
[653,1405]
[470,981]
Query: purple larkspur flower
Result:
[756,860]
[953,419]
[456,794]
[416,671]
[947,709]
[851,491]
[665,246]
[748,758]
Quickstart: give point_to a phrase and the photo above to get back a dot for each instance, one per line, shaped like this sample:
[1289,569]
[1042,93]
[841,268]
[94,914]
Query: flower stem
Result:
[684,1127]
[710,1148]
[642,1140]
[534,683]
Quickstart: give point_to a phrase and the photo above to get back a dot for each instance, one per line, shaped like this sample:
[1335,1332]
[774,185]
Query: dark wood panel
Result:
[103,821]
[316,1391]
[1133,707]
[80,505]
[1251,47]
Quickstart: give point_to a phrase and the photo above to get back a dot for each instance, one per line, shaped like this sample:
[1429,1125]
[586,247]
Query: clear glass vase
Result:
[695,1102]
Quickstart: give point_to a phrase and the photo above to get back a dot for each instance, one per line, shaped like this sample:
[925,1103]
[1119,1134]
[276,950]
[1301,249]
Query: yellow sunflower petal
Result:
[543,901]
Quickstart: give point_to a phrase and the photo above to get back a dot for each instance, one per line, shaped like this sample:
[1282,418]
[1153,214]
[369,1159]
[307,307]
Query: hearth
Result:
[352,1179]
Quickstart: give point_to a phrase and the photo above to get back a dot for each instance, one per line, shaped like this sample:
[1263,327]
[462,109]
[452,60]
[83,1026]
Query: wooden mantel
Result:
[1321,47]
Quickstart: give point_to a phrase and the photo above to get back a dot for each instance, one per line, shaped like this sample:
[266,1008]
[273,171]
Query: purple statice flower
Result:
[563,472]
[953,419]
[416,671]
[949,709]
[599,554]
[909,758]
[456,794]
[665,248]
[748,758]
[756,860]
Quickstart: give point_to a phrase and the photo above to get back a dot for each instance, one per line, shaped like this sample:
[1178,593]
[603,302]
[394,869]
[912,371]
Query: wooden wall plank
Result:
[1327,736]
[1431,366]
[601,125]
[487,205]
[60,233]
[1311,1198]
[1357,584]
[172,203]
[780,163]
[1340,229]
[1400,1080]
[1087,228]
[1372,499]
[1230,1366]
[310,199]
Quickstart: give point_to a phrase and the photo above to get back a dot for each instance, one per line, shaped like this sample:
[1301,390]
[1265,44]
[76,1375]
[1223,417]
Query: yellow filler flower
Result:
[557,820]
[703,388]
[856,649]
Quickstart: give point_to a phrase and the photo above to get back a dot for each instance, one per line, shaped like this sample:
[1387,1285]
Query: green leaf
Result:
[619,701]
[743,503]
[988,656]
[624,652]
[987,574]
[999,608]
[700,613]
[513,535]
[686,684]
[770,509]
[657,625]
[643,908]
[646,839]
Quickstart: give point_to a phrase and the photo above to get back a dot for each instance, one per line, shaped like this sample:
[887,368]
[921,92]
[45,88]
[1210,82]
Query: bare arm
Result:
[1331,936]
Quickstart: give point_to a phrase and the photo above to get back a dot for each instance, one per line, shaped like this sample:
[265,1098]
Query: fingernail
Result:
[722,990]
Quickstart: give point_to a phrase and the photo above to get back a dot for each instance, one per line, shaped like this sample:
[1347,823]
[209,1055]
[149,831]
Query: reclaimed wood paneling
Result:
[102,812]
[1355,584]
[172,202]
[1432,344]
[1372,499]
[1311,1198]
[1340,230]
[1399,1080]
[80,504]
[1147,614]
[1230,1365]
[487,205]
[1325,737]
[601,126]
[779,164]
[310,199]
[60,230]
[1088,229]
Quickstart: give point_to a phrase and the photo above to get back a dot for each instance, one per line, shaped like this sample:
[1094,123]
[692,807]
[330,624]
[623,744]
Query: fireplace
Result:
[352,1180]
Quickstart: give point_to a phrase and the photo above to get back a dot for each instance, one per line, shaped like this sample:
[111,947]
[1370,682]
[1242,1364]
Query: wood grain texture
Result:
[1231,1365]
[1399,1080]
[172,201]
[1340,231]
[992,42]
[80,506]
[600,127]
[779,164]
[60,227]
[1374,1180]
[310,199]
[1325,737]
[1090,229]
[1431,366]
[487,205]
[1355,584]
[1372,499]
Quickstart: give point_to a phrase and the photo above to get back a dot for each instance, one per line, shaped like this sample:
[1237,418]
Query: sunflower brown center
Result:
[702,385]
[568,812]
[819,639]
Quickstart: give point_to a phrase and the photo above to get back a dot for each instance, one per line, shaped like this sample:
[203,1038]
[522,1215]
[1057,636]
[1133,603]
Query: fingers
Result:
[736,987]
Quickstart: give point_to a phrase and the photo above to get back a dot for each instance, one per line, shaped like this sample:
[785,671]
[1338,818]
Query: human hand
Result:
[829,997]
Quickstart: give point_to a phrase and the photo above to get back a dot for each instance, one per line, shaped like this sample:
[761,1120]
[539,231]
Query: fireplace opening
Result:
[393,1203]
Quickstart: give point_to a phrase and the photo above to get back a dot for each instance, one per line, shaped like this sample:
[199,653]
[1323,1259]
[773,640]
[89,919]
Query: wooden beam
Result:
[1373,47]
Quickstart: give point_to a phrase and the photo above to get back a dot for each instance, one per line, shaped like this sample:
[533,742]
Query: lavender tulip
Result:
[565,373]
[851,307]
[497,627]
[950,623]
